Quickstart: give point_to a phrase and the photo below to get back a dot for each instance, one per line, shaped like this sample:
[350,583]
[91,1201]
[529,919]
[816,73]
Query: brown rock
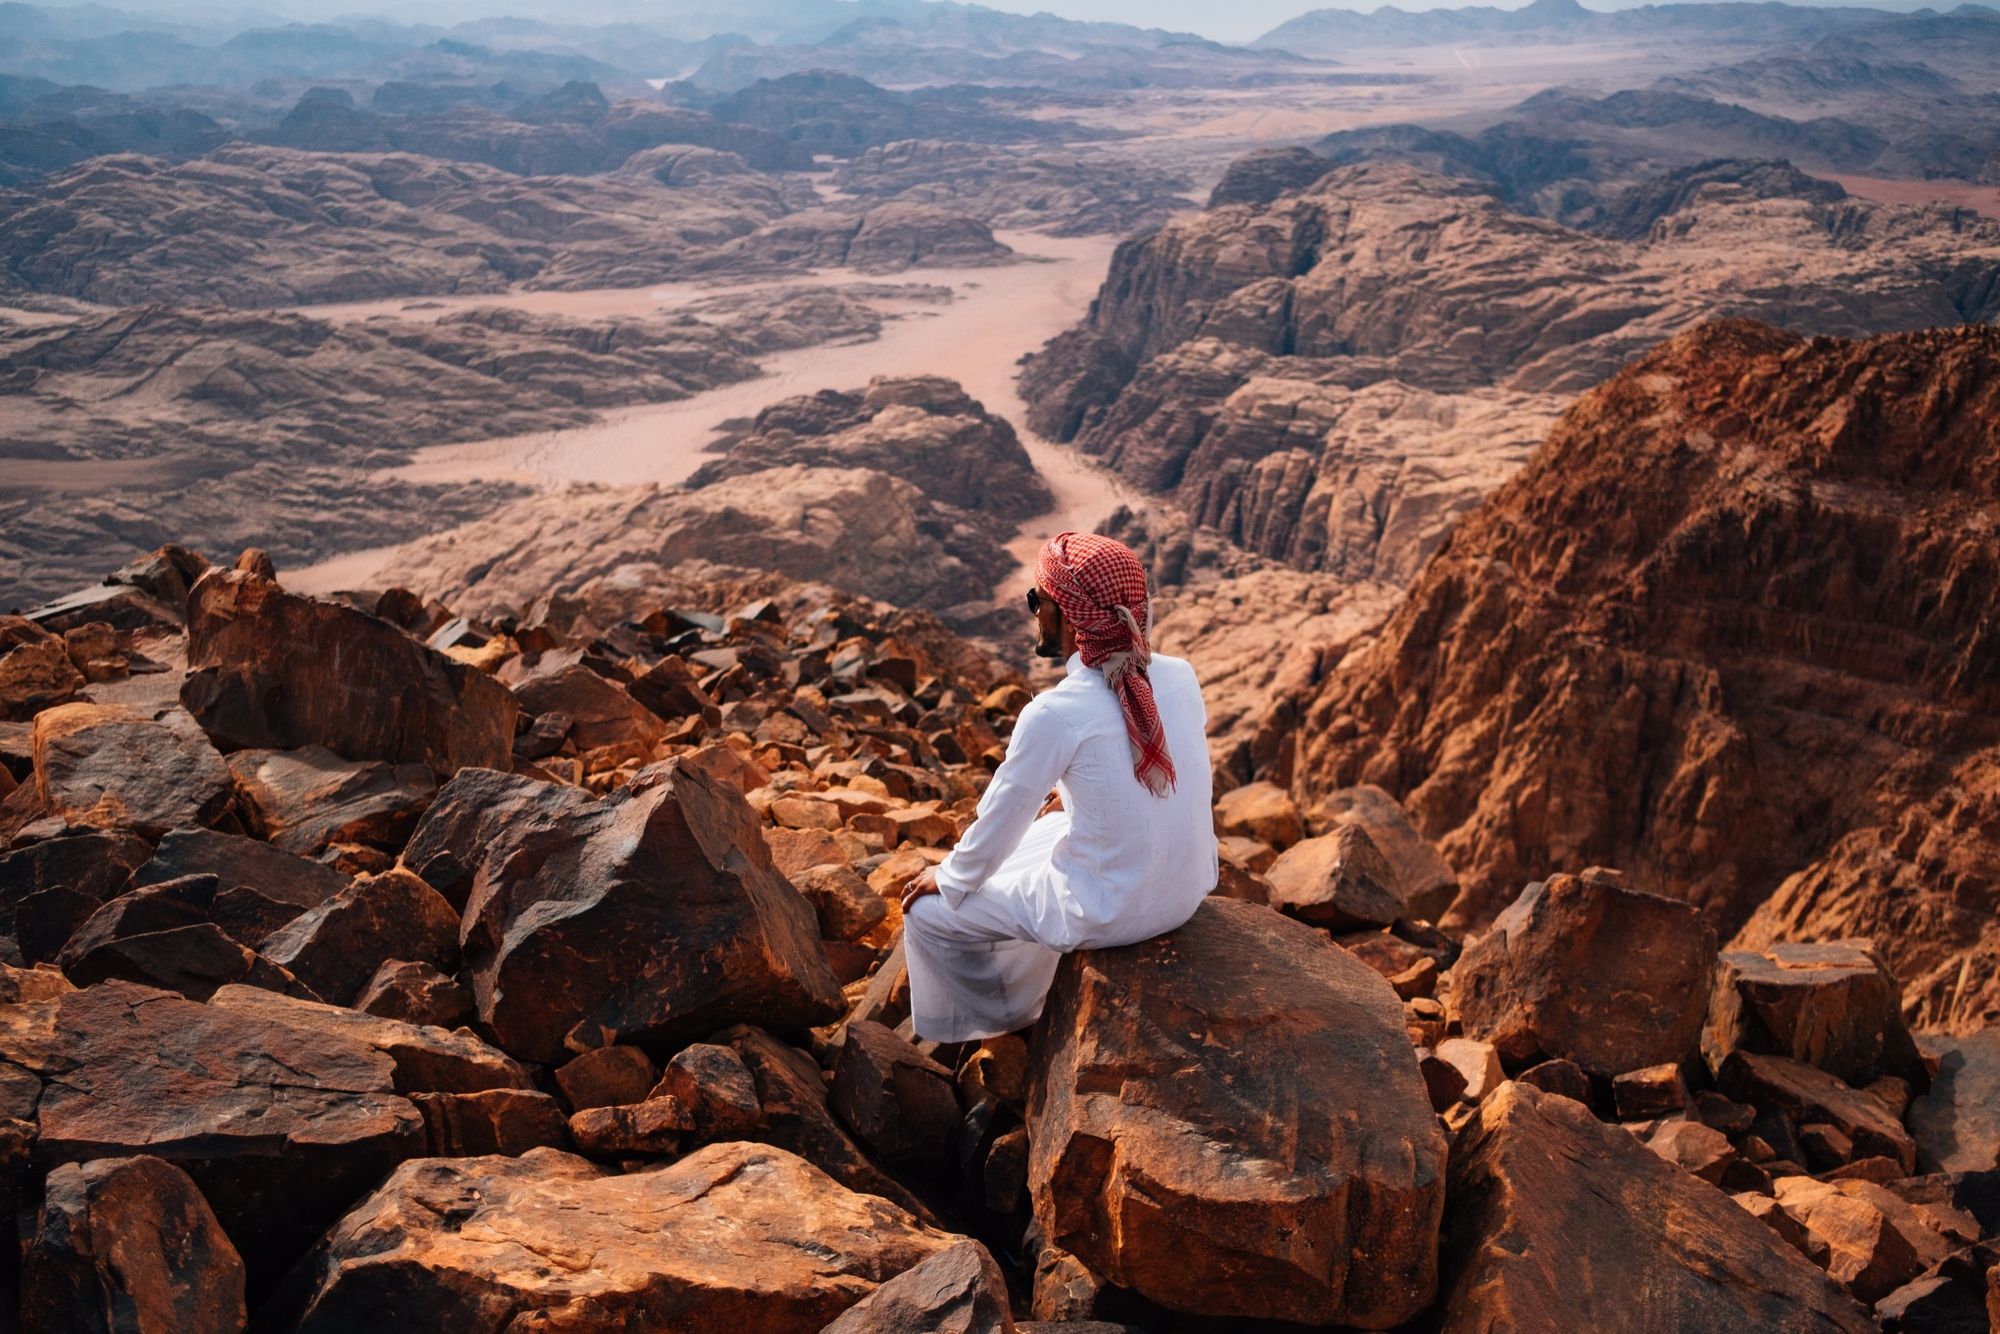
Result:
[649,1129]
[1248,854]
[1956,1123]
[415,993]
[601,712]
[337,947]
[193,958]
[1832,1005]
[1168,1147]
[1851,1235]
[1339,881]
[509,1121]
[1233,881]
[716,1087]
[1444,1081]
[423,1059]
[959,1290]
[1558,1220]
[106,767]
[259,887]
[129,1244]
[272,670]
[1564,1078]
[1476,1062]
[1261,811]
[607,1077]
[1426,879]
[900,1102]
[1693,1147]
[846,908]
[482,815]
[35,671]
[306,800]
[50,888]
[1657,1090]
[1765,1208]
[795,1116]
[674,922]
[1583,968]
[1806,1095]
[735,1236]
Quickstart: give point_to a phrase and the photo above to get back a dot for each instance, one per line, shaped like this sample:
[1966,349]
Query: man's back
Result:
[1135,864]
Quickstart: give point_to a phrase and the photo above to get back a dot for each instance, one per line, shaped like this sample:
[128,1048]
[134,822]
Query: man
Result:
[1124,851]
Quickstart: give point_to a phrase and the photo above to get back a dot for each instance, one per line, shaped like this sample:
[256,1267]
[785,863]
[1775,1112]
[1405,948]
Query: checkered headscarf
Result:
[1101,588]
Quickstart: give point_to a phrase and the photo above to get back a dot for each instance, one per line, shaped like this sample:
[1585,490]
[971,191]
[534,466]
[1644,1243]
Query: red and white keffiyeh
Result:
[1101,588]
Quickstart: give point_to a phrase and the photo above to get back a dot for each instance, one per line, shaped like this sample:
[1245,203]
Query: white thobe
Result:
[1116,865]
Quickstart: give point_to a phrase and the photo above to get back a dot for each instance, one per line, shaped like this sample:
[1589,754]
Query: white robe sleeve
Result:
[1038,753]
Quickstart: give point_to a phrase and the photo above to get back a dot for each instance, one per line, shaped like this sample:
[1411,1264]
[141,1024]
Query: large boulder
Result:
[272,670]
[651,916]
[129,1244]
[106,767]
[482,816]
[1340,881]
[336,947]
[306,800]
[1583,968]
[1229,1121]
[423,1057]
[739,1237]
[956,1291]
[1559,1222]
[1425,877]
[1834,1005]
[1956,1123]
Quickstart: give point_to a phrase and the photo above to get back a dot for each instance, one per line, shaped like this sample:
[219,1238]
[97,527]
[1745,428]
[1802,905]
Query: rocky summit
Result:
[550,957]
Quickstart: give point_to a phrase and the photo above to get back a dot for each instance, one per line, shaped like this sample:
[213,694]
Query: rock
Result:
[794,1113]
[607,1077]
[1957,1123]
[268,669]
[1657,1090]
[259,887]
[1263,811]
[337,947]
[239,1100]
[900,1102]
[1444,1081]
[1153,1091]
[156,937]
[423,1059]
[415,993]
[649,1129]
[1832,1005]
[1339,881]
[1476,1062]
[1564,1078]
[1948,1298]
[1583,968]
[483,815]
[601,712]
[846,908]
[1426,879]
[673,922]
[509,1121]
[1558,1220]
[35,671]
[1865,1238]
[303,801]
[105,767]
[129,1243]
[957,1291]
[730,1230]
[1701,1150]
[1260,177]
[1806,1095]
[50,888]
[718,1090]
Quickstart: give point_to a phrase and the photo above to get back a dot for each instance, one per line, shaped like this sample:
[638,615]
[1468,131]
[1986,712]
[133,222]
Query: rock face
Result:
[1286,370]
[672,920]
[1560,1222]
[129,1243]
[1834,1006]
[1172,1160]
[1957,1122]
[740,1236]
[1068,193]
[1614,583]
[1583,969]
[270,668]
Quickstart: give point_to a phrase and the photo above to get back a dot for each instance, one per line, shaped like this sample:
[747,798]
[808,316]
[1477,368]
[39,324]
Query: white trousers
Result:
[983,968]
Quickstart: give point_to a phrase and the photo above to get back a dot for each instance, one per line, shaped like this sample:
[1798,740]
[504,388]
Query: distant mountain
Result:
[1330,32]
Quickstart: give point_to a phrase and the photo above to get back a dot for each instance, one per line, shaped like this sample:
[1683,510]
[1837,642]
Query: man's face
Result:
[1048,626]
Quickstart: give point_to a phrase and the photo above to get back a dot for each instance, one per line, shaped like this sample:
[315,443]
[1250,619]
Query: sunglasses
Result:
[1034,602]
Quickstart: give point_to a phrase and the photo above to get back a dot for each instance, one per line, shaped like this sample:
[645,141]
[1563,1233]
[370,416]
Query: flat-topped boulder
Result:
[741,1237]
[102,766]
[425,1058]
[1584,968]
[1229,1121]
[1834,1005]
[1560,1222]
[272,670]
[653,915]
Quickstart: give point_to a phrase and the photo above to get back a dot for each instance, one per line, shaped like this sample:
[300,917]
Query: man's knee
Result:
[926,915]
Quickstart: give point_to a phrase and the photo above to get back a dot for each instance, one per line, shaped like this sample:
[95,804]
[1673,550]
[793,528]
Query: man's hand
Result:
[922,883]
[1054,803]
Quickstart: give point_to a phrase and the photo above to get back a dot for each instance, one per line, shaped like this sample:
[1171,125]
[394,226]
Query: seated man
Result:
[1125,851]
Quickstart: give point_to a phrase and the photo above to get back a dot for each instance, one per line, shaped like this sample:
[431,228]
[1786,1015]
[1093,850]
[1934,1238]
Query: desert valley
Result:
[513,529]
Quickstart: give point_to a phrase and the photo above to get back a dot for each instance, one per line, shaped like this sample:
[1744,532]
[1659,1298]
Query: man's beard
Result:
[1049,646]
